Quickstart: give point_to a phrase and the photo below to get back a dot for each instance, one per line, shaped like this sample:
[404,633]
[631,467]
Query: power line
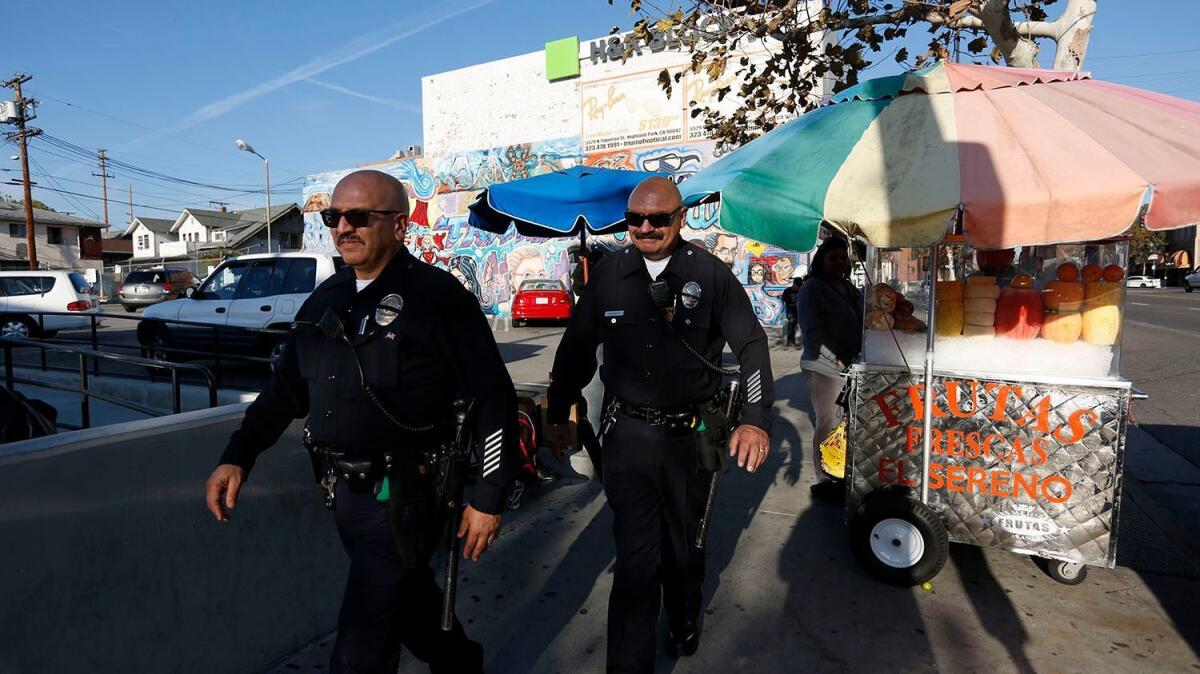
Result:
[1134,56]
[84,153]
[143,127]
[88,196]
[82,208]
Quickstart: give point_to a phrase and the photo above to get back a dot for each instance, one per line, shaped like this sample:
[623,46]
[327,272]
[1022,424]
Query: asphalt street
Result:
[1160,353]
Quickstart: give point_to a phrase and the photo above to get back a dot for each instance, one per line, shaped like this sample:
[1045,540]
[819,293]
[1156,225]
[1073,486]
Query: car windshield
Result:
[541,285]
[80,282]
[148,276]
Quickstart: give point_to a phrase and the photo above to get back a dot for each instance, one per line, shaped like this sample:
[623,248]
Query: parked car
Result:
[24,294]
[244,294]
[1192,280]
[1143,282]
[541,299]
[151,286]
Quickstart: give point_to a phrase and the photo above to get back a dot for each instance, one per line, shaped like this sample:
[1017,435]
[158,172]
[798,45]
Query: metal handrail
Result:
[217,354]
[86,394]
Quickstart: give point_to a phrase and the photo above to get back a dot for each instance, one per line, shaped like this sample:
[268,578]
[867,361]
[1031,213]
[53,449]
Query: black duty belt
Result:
[684,417]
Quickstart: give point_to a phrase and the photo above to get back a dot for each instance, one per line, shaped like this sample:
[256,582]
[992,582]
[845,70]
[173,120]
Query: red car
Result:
[541,299]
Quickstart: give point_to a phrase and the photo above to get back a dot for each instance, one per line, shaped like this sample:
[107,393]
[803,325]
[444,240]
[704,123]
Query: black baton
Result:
[454,493]
[731,408]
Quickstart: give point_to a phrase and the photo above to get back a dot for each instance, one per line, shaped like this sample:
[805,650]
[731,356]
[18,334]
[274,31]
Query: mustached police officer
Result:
[663,309]
[378,398]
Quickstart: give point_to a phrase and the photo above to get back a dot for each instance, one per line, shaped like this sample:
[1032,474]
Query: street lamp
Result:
[245,147]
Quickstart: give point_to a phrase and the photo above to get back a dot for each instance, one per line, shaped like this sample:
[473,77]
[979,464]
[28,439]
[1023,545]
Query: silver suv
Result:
[151,286]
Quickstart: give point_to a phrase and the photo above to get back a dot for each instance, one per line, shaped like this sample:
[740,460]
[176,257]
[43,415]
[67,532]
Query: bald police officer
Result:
[379,400]
[661,351]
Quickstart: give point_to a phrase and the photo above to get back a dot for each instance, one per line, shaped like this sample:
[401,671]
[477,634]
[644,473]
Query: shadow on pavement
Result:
[991,604]
[561,597]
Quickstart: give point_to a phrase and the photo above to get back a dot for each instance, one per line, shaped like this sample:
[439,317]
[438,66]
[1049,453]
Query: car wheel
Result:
[18,326]
[1187,287]
[898,540]
[158,346]
[129,309]
[519,322]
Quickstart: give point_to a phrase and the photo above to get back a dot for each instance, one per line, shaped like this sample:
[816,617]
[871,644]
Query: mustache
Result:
[652,236]
[348,237]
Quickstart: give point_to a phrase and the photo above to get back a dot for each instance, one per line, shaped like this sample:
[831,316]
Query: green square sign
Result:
[562,59]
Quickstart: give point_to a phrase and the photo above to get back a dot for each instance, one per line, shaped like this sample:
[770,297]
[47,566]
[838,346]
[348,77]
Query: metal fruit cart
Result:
[1015,438]
[1001,423]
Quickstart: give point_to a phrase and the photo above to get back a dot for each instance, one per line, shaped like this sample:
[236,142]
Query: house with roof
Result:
[199,232]
[62,241]
[149,235]
[243,231]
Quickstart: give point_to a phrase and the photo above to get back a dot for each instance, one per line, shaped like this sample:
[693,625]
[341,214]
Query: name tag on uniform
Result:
[614,314]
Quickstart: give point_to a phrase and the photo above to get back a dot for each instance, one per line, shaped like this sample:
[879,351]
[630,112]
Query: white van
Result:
[25,295]
[262,291]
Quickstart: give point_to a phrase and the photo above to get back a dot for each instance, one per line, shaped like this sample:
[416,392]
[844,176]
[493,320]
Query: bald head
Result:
[655,195]
[382,191]
[368,241]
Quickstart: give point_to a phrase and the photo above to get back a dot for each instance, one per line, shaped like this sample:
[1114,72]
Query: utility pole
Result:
[21,135]
[103,180]
[131,203]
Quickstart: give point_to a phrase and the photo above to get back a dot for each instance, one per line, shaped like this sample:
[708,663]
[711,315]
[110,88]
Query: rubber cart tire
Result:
[899,541]
[1067,573]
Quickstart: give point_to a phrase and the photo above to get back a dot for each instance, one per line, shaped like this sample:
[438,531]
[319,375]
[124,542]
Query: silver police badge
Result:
[388,309]
[690,295]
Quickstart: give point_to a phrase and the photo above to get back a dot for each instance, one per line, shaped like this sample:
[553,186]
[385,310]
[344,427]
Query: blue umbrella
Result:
[573,202]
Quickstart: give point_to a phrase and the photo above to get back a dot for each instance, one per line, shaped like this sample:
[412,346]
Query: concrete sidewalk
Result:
[784,593]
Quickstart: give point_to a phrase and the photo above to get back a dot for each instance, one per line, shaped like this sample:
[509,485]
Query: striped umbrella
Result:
[1033,157]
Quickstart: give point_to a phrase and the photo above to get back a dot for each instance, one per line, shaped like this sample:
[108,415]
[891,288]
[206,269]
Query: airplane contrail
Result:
[358,48]
[399,105]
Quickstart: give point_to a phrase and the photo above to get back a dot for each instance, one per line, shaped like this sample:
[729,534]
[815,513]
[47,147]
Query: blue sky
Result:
[167,87]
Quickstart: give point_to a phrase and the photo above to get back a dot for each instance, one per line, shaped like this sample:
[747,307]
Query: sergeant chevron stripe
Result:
[754,387]
[491,452]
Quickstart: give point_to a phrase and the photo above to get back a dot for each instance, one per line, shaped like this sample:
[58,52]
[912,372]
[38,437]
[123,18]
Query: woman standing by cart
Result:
[829,311]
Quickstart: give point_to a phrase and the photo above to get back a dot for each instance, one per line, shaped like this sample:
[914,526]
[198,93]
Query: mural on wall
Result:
[492,267]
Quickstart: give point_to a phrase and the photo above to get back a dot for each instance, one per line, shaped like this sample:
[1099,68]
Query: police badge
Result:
[690,295]
[388,309]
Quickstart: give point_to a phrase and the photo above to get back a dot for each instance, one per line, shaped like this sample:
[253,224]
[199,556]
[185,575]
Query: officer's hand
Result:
[479,531]
[750,445]
[221,491]
[559,437]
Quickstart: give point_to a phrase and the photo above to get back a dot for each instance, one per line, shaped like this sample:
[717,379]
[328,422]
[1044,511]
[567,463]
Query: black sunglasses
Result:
[355,217]
[657,220]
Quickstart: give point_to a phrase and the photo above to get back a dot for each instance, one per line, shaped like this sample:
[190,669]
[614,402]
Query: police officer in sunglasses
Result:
[377,393]
[663,309]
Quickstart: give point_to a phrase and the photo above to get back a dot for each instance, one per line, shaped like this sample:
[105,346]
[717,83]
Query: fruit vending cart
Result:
[988,407]
[998,418]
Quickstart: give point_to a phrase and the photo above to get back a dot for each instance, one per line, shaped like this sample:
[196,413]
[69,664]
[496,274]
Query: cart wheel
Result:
[898,540]
[1067,573]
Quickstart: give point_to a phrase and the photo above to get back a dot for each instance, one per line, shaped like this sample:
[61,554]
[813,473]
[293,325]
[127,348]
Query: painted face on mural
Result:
[524,264]
[726,248]
[782,270]
[369,248]
[652,197]
[758,273]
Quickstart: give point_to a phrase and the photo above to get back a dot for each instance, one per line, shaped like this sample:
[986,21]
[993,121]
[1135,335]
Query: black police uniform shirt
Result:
[644,363]
[437,348]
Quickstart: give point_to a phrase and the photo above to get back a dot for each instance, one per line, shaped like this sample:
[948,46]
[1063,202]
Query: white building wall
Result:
[192,227]
[495,104]
[151,251]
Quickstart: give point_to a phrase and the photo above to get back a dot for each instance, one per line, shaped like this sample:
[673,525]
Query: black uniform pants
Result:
[385,606]
[657,497]
[790,331]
